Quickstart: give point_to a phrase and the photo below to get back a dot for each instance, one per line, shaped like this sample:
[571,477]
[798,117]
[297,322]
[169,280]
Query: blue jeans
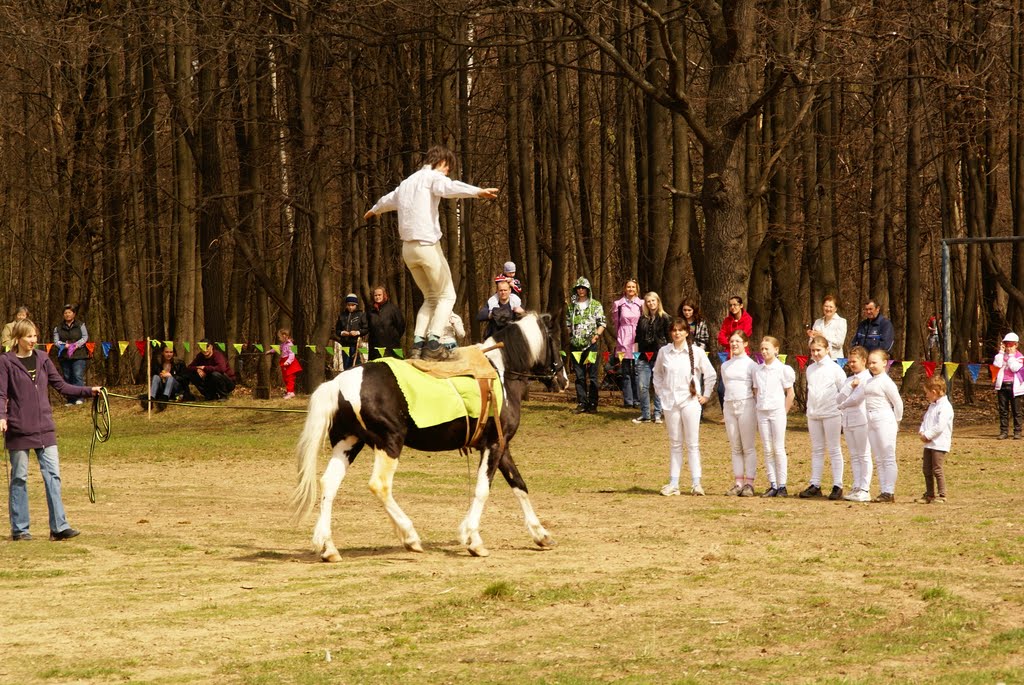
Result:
[49,466]
[645,391]
[586,377]
[73,371]
[630,398]
[170,385]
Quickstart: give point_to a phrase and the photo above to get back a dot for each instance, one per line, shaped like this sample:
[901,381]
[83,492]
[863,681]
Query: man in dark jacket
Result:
[875,332]
[349,328]
[210,373]
[386,324]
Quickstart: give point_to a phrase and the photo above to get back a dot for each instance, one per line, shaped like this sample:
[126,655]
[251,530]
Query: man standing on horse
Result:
[416,200]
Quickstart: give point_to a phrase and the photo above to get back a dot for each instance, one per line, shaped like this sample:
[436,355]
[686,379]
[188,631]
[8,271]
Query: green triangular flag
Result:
[222,346]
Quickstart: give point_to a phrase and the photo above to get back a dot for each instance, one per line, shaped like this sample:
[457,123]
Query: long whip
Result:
[100,431]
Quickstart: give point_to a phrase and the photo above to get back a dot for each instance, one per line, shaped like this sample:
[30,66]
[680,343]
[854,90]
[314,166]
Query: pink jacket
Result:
[1013,364]
[626,314]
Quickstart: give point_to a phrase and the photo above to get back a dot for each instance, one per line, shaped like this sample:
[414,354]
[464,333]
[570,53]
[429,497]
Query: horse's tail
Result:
[323,405]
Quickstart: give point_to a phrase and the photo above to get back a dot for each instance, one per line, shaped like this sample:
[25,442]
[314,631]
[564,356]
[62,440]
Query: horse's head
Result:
[554,378]
[530,353]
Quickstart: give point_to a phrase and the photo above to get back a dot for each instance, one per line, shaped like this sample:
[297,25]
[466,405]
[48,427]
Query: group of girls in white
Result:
[865,407]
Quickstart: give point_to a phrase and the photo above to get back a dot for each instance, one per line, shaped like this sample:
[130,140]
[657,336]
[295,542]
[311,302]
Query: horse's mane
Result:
[518,353]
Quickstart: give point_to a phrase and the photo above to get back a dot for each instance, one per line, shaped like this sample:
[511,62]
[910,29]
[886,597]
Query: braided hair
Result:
[679,323]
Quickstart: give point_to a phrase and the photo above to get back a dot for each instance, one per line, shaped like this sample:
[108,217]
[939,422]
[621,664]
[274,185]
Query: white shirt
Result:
[851,400]
[771,382]
[672,376]
[738,378]
[513,300]
[881,395]
[937,425]
[824,379]
[835,332]
[416,200]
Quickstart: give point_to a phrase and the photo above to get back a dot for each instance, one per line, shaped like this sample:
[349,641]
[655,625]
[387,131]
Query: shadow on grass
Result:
[634,490]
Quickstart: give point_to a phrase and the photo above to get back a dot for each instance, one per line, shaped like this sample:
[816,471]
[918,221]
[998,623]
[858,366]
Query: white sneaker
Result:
[858,496]
[638,420]
[697,490]
[669,490]
[657,419]
[734,491]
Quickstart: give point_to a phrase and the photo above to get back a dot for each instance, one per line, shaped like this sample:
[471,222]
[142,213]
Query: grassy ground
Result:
[187,569]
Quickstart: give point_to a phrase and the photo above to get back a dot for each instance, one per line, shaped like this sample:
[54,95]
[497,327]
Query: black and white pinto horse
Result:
[364,406]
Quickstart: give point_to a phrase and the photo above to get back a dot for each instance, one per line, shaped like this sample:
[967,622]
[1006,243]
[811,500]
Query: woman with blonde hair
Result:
[652,333]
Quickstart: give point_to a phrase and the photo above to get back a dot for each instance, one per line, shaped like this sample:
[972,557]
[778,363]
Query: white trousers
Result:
[825,436]
[771,424]
[882,428]
[860,456]
[741,428]
[433,277]
[683,425]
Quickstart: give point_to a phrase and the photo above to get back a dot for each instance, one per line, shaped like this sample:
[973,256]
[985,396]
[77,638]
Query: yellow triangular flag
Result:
[906,365]
[621,355]
[238,347]
[169,344]
[122,345]
[782,358]
[276,348]
[576,356]
[312,347]
[951,368]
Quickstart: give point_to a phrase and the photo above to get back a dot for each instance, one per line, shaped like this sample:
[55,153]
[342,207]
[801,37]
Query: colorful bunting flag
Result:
[842,362]
[238,347]
[620,355]
[605,357]
[592,357]
[801,359]
[259,347]
[649,355]
[398,352]
[49,346]
[169,344]
[929,368]
[222,346]
[636,356]
[576,356]
[381,351]
[91,346]
[329,349]
[782,358]
[974,370]
[106,349]
[140,345]
[122,345]
[994,370]
[276,348]
[889,365]
[906,365]
[950,368]
[722,357]
[187,346]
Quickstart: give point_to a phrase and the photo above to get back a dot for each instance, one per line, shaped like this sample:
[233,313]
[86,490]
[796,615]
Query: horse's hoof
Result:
[547,543]
[330,557]
[479,551]
[414,546]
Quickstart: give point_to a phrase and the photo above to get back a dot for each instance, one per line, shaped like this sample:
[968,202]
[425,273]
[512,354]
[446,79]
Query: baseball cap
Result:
[1011,337]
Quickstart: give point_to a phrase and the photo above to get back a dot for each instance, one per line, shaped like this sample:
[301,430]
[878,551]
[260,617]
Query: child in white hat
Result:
[1009,385]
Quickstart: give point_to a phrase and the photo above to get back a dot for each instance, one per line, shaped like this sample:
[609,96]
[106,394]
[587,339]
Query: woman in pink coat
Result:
[625,315]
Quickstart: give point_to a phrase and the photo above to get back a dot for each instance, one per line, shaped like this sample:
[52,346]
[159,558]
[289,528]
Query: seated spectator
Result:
[501,309]
[6,338]
[167,380]
[509,274]
[210,373]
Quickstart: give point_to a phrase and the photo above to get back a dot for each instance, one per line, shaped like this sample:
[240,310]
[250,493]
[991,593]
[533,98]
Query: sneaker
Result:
[770,492]
[590,410]
[288,395]
[79,401]
[670,490]
[811,490]
[640,420]
[697,490]
[658,419]
[924,499]
[734,491]
[747,491]
[858,496]
[884,498]
[782,492]
[1016,436]
[837,493]
[1002,436]
[65,534]
[22,536]
[939,500]
[415,353]
[435,352]
[580,408]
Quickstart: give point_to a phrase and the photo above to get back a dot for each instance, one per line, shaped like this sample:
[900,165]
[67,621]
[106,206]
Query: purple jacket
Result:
[217,363]
[26,405]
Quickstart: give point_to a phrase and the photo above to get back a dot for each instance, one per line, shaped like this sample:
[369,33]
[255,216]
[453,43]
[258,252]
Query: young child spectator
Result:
[773,390]
[855,424]
[348,329]
[652,333]
[1009,384]
[824,380]
[508,274]
[937,435]
[290,366]
[740,414]
[26,420]
[626,313]
[683,379]
[691,312]
[885,411]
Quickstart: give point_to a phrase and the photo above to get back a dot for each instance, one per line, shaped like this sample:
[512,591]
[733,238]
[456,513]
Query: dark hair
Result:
[688,302]
[21,309]
[72,307]
[737,298]
[438,154]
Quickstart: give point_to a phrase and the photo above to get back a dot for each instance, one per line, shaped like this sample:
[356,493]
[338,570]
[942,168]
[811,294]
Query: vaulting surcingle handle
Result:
[495,346]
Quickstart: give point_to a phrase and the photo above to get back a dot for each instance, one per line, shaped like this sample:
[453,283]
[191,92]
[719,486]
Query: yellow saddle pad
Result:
[433,401]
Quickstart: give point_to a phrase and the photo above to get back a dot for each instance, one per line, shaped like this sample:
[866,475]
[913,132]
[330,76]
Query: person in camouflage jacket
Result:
[585,321]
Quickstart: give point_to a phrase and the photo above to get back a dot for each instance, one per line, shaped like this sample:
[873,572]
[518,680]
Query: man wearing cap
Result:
[348,329]
[1009,385]
[509,274]
[416,200]
[875,332]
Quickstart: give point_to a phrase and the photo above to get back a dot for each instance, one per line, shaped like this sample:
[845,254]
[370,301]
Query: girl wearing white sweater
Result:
[885,411]
[824,379]
[740,414]
[773,388]
[683,379]
[855,424]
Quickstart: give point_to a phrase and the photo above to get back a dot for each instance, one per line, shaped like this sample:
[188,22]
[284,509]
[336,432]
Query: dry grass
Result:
[188,571]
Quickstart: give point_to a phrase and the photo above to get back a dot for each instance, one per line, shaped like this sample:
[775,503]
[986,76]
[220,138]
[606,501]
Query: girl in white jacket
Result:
[740,414]
[885,411]
[824,379]
[683,379]
[855,424]
[773,388]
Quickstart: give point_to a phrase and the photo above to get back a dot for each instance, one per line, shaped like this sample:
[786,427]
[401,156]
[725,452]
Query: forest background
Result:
[188,169]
